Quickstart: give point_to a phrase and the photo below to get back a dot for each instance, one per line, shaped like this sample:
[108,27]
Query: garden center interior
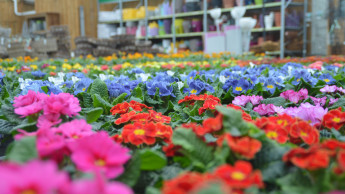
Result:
[278,28]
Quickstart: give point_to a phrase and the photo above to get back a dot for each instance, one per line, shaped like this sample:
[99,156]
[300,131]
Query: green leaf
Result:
[152,190]
[6,126]
[233,122]
[94,114]
[8,112]
[23,150]
[297,182]
[99,87]
[277,101]
[138,93]
[132,171]
[4,93]
[119,99]
[87,100]
[152,160]
[26,126]
[195,149]
[339,103]
[98,101]
[45,89]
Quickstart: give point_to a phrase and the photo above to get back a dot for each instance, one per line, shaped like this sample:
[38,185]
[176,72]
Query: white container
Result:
[269,19]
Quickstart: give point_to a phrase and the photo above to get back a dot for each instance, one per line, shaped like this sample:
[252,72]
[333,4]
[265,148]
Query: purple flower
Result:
[332,101]
[256,99]
[307,112]
[342,90]
[241,100]
[329,89]
[266,109]
[319,101]
[295,97]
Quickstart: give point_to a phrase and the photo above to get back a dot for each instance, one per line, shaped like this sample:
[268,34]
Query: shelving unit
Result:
[274,6]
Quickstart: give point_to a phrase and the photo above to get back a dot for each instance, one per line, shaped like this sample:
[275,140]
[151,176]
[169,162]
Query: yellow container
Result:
[129,14]
[141,12]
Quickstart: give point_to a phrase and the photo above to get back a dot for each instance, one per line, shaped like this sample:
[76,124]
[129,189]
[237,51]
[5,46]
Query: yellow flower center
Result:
[100,162]
[303,134]
[326,80]
[29,191]
[272,134]
[193,91]
[75,136]
[238,89]
[270,86]
[84,89]
[190,77]
[282,122]
[336,119]
[239,176]
[139,132]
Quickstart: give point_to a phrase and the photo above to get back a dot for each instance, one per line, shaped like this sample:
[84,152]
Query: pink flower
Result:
[340,89]
[307,112]
[317,65]
[63,104]
[266,109]
[29,104]
[48,120]
[256,99]
[34,177]
[319,101]
[99,152]
[332,101]
[51,145]
[74,130]
[241,100]
[99,185]
[295,97]
[329,89]
[23,133]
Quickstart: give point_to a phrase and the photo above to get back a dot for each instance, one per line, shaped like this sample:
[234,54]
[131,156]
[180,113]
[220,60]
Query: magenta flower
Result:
[319,101]
[99,152]
[63,104]
[23,133]
[74,130]
[329,89]
[99,185]
[340,89]
[266,109]
[295,97]
[48,120]
[241,100]
[51,145]
[34,177]
[307,112]
[29,104]
[332,101]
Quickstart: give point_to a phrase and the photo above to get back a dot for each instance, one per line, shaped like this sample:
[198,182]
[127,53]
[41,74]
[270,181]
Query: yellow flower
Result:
[77,66]
[11,68]
[66,66]
[65,60]
[126,64]
[52,67]
[34,67]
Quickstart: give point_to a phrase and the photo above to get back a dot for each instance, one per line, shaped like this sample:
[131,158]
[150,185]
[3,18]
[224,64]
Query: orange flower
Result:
[139,133]
[183,184]
[239,176]
[208,104]
[198,129]
[120,108]
[213,124]
[334,119]
[303,130]
[244,146]
[52,74]
[137,106]
[158,117]
[104,67]
[125,118]
[273,130]
[171,150]
[312,159]
[333,145]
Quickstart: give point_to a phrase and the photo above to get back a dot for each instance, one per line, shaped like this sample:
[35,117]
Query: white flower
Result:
[143,76]
[23,83]
[56,81]
[75,79]
[61,74]
[180,85]
[170,73]
[222,79]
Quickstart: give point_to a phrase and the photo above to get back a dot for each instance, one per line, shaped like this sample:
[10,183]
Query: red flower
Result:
[52,74]
[334,119]
[120,108]
[333,145]
[117,138]
[139,133]
[208,104]
[198,129]
[244,146]
[210,101]
[273,130]
[171,150]
[341,162]
[158,117]
[303,130]
[164,132]
[137,106]
[312,159]
[245,116]
[212,124]
[117,67]
[183,184]
[239,176]
[141,117]
[104,67]
[125,118]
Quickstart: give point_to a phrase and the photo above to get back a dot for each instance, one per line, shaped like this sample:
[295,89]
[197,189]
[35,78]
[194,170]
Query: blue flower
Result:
[67,84]
[82,85]
[116,89]
[197,86]
[38,74]
[79,75]
[164,88]
[37,85]
[135,70]
[327,78]
[2,75]
[238,85]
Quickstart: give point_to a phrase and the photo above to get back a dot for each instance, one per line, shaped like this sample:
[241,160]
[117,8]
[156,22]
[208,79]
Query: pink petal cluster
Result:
[295,97]
[317,65]
[307,112]
[33,177]
[74,130]
[63,104]
[268,109]
[332,101]
[243,100]
[319,101]
[99,152]
[29,104]
[43,177]
[332,89]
